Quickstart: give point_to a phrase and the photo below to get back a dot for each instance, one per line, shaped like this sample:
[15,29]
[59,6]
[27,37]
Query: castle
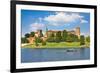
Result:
[48,33]
[75,32]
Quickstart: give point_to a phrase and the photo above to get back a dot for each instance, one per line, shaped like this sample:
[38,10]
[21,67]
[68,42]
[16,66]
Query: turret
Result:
[78,31]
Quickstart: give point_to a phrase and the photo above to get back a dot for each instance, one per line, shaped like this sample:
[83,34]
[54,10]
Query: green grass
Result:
[57,45]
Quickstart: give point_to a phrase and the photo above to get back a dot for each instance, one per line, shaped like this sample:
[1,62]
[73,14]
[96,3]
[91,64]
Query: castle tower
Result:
[46,31]
[77,31]
[40,33]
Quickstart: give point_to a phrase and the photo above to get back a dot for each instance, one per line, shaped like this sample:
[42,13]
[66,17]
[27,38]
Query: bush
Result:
[43,43]
[39,40]
[51,39]
[36,41]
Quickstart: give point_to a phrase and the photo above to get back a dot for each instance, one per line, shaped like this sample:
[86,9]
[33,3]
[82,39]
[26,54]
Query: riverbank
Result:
[58,45]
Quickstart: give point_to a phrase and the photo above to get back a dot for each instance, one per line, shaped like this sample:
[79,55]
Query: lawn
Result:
[56,45]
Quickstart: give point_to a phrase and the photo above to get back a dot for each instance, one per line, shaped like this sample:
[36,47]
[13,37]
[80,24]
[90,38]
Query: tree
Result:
[39,40]
[82,40]
[88,39]
[70,38]
[51,38]
[32,34]
[64,35]
[27,35]
[58,36]
[75,38]
[24,40]
[36,41]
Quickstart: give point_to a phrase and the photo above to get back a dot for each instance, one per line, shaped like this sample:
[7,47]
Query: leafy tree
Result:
[58,36]
[32,34]
[51,38]
[52,35]
[88,39]
[64,35]
[82,40]
[36,41]
[39,40]
[70,38]
[27,35]
[75,38]
[24,40]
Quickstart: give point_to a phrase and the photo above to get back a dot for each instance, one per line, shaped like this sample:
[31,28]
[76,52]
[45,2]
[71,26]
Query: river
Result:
[62,54]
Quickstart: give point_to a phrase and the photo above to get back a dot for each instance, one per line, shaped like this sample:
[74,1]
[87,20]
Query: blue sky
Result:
[32,20]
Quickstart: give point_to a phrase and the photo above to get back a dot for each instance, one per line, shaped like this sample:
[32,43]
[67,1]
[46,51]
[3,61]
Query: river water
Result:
[61,54]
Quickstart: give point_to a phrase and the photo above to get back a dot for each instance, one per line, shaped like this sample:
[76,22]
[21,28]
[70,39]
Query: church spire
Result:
[46,29]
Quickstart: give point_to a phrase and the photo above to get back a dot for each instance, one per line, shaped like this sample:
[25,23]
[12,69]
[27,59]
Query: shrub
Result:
[43,43]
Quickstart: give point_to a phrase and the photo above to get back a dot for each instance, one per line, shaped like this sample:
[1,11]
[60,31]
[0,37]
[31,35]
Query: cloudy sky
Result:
[32,20]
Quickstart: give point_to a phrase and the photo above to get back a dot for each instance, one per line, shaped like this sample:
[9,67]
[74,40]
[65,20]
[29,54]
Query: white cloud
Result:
[60,18]
[57,19]
[83,21]
[85,33]
[36,26]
